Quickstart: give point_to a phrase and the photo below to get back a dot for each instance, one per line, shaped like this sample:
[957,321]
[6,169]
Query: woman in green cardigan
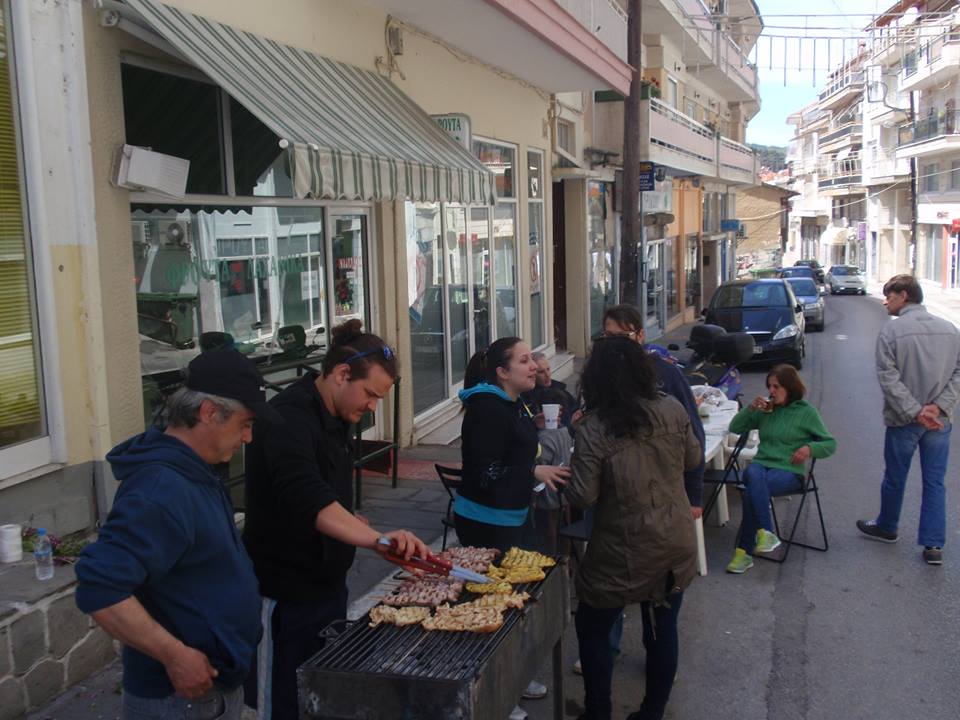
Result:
[791,432]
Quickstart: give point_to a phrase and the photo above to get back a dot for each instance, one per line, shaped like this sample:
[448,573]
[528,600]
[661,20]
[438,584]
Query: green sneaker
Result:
[741,562]
[766,541]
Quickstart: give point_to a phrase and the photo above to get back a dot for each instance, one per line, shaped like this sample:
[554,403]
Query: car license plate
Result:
[757,350]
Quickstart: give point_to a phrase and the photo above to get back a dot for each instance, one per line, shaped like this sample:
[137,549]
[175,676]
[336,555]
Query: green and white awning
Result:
[352,133]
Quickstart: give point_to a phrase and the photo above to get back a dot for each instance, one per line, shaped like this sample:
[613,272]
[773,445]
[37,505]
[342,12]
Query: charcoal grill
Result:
[390,673]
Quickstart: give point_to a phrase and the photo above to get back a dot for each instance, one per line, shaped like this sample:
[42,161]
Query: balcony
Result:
[606,19]
[688,22]
[738,163]
[932,135]
[837,173]
[934,64]
[676,141]
[841,89]
[850,134]
[883,167]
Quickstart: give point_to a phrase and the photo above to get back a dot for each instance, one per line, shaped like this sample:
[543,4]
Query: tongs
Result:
[432,564]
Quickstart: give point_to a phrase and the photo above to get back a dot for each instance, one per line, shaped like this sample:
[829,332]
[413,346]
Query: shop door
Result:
[480,279]
[348,254]
[656,318]
[458,290]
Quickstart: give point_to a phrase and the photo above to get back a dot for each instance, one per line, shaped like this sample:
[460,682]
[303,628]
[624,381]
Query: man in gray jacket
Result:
[918,366]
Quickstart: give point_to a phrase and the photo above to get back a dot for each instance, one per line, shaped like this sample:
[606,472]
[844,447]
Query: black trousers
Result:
[596,656]
[479,534]
[294,637]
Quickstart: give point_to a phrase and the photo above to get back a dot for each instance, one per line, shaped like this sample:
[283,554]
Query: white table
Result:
[715,427]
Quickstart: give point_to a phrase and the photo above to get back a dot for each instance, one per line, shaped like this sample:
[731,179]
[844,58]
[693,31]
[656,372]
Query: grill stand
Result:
[410,689]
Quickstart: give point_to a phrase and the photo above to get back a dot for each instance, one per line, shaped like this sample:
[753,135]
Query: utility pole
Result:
[632,222]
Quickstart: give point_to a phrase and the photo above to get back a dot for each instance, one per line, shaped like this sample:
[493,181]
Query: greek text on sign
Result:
[457,126]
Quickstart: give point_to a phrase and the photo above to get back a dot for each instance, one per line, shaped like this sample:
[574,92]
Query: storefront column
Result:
[578,271]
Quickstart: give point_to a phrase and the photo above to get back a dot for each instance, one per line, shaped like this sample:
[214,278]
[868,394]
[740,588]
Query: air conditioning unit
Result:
[174,233]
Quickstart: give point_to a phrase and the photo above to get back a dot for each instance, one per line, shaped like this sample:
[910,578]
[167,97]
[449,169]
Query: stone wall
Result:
[46,644]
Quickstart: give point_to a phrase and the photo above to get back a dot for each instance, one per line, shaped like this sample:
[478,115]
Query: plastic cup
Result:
[11,544]
[551,417]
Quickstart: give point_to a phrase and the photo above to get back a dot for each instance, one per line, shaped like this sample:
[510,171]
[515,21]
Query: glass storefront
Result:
[425,293]
[930,252]
[537,244]
[656,308]
[691,271]
[602,261]
[670,272]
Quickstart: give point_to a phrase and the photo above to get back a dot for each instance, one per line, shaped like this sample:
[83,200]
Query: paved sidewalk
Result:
[417,504]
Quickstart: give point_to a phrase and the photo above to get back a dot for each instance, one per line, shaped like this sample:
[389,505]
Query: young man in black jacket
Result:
[300,529]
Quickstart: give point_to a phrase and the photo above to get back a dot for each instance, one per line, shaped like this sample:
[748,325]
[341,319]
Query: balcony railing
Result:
[671,128]
[842,82]
[604,18]
[940,124]
[847,130]
[883,162]
[840,169]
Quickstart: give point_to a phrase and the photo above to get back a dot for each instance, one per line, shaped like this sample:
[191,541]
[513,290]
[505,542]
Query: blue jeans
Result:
[899,445]
[762,483]
[214,705]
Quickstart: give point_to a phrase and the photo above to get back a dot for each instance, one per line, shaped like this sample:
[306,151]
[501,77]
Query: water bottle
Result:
[43,555]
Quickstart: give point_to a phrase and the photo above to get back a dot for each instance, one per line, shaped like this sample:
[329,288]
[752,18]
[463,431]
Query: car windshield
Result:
[797,272]
[804,287]
[757,294]
[846,270]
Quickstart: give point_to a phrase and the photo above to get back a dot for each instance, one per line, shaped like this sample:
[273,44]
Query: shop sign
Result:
[955,226]
[457,126]
[729,226]
[654,201]
[862,231]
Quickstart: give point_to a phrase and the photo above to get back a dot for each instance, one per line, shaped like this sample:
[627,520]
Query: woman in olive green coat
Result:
[632,448]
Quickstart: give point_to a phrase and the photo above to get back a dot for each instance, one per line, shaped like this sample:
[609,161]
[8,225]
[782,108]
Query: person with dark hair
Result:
[633,446]
[918,367]
[300,529]
[168,576]
[791,432]
[499,454]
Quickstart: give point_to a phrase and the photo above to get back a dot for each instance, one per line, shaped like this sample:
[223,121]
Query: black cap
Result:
[229,374]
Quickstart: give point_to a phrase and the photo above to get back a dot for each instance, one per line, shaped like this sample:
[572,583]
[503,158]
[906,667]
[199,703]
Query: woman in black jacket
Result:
[500,447]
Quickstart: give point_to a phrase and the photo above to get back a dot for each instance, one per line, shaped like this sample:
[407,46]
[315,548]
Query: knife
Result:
[432,564]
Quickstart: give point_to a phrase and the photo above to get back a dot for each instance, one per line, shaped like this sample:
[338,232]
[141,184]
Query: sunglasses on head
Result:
[388,354]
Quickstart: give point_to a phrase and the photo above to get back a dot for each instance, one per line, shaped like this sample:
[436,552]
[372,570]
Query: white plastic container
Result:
[11,543]
[551,416]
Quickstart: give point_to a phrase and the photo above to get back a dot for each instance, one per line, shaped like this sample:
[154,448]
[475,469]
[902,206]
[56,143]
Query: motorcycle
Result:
[711,357]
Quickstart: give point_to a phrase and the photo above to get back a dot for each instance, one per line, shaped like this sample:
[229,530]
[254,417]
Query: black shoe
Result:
[872,531]
[933,556]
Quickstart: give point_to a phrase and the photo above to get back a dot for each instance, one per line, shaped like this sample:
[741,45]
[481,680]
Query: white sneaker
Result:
[518,713]
[534,691]
[578,667]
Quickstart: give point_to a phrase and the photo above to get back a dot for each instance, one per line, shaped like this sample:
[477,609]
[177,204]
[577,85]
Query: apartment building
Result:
[700,91]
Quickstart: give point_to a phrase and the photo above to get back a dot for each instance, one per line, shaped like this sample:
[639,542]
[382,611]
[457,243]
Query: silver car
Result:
[808,295]
[846,279]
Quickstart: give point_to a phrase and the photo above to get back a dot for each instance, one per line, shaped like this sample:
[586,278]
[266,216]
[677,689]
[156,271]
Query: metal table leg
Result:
[558,698]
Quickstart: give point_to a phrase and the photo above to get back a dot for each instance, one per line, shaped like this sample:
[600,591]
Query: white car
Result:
[846,279]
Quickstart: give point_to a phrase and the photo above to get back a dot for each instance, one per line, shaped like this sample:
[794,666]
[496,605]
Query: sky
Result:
[806,61]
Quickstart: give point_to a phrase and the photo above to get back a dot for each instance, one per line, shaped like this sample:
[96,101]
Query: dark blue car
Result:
[768,310]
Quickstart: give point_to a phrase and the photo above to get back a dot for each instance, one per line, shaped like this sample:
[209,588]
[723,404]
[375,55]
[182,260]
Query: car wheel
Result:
[819,327]
[863,292]
[832,291]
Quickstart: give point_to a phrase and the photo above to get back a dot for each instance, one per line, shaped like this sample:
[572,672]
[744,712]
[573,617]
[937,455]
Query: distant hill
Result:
[771,156]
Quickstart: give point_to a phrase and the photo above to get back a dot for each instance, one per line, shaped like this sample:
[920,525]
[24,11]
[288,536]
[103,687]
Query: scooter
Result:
[711,357]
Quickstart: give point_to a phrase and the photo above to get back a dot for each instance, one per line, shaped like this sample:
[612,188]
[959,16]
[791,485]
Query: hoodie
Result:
[170,541]
[499,450]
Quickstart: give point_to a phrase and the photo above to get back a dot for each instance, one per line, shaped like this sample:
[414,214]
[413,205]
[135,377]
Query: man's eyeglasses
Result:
[388,354]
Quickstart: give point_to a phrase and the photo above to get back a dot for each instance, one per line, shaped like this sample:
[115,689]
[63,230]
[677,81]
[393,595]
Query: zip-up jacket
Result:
[499,450]
[783,432]
[918,363]
[170,541]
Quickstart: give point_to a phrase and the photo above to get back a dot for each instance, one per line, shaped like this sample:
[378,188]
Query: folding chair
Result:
[730,475]
[451,478]
[808,487]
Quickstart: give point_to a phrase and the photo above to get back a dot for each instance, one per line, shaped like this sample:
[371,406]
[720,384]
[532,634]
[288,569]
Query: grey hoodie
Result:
[918,362]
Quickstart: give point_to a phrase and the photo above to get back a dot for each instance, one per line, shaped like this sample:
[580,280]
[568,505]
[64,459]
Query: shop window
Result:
[260,166]
[602,270]
[177,116]
[500,160]
[22,409]
[670,273]
[505,267]
[691,270]
[425,297]
[535,215]
[566,136]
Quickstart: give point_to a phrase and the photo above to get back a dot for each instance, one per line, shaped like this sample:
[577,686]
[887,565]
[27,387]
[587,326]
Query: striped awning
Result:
[352,133]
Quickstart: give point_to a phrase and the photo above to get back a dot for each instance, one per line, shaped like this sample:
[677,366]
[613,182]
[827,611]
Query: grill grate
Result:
[414,652]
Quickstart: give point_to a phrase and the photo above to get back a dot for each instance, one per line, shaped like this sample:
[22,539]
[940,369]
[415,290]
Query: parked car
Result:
[768,310]
[815,266]
[808,293]
[846,279]
[798,271]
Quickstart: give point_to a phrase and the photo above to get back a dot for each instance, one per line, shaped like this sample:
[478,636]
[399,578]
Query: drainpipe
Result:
[913,193]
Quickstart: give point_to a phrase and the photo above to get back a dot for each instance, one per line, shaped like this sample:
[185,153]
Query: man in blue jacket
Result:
[168,575]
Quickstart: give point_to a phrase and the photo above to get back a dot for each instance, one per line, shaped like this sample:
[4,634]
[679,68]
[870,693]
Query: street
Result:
[863,631]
